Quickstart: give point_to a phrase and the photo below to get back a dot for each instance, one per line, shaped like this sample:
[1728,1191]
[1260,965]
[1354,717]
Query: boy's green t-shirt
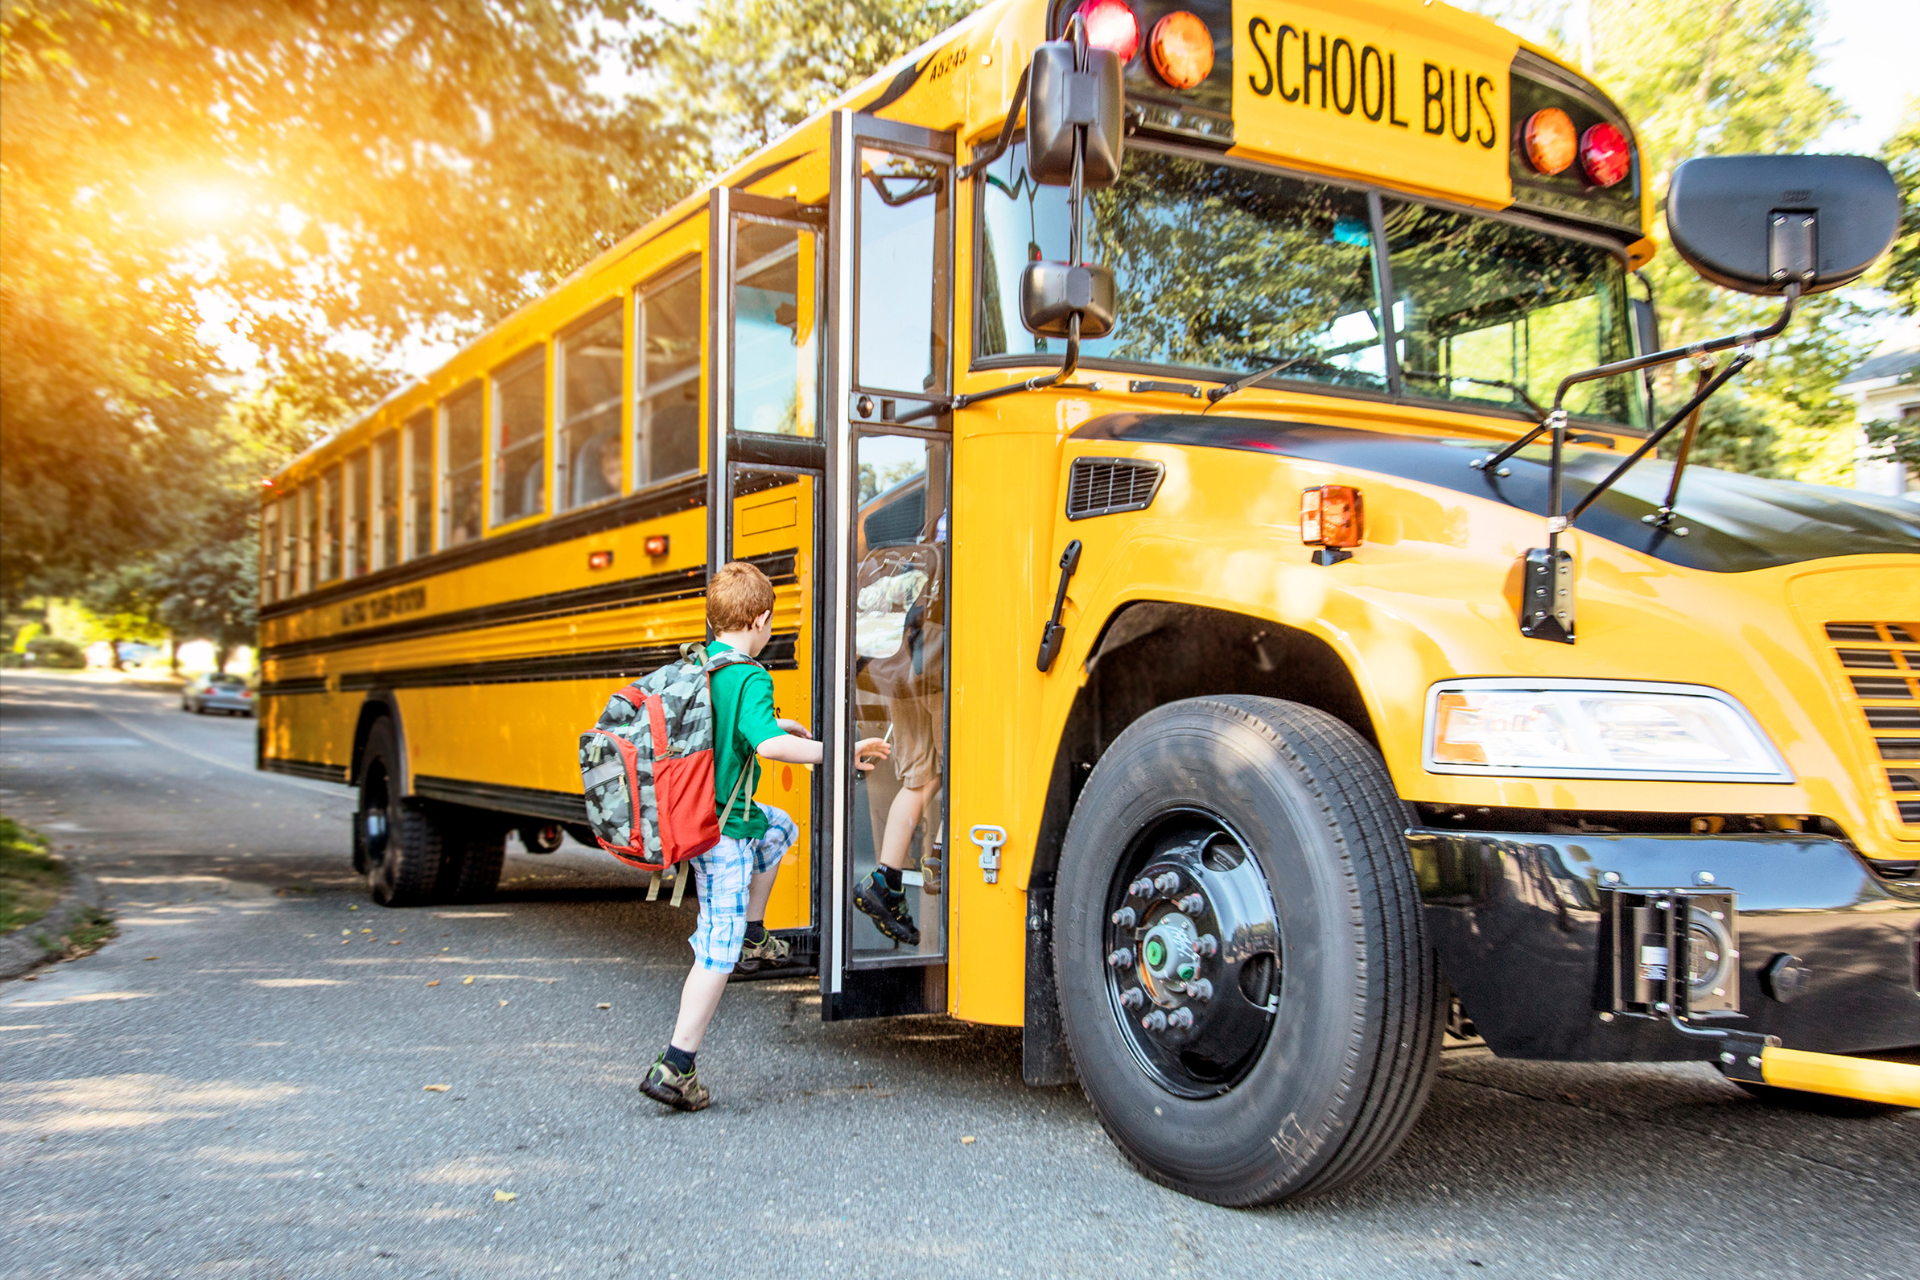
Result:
[742,719]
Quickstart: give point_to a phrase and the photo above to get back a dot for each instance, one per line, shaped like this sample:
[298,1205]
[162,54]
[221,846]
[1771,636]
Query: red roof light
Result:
[1111,25]
[1605,155]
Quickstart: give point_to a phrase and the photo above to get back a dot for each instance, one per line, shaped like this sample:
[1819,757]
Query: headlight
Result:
[1582,729]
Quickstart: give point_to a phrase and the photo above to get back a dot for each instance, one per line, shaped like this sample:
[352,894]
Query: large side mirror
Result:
[1073,140]
[1760,224]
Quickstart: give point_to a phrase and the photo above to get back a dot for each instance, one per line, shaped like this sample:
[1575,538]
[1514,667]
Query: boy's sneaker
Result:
[681,1092]
[930,871]
[888,908]
[769,951]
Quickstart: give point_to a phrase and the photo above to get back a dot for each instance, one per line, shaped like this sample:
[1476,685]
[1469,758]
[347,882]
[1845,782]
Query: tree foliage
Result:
[1902,156]
[178,174]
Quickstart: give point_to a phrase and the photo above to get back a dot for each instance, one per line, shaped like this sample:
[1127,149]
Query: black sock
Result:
[679,1059]
[756,932]
[893,878]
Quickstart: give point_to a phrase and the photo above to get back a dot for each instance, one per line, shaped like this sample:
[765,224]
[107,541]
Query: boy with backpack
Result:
[734,879]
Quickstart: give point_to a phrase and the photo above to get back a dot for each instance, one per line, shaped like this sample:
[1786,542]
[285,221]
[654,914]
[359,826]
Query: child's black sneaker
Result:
[888,907]
[682,1092]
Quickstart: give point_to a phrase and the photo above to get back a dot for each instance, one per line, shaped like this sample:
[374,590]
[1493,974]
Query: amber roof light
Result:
[1182,49]
[1550,140]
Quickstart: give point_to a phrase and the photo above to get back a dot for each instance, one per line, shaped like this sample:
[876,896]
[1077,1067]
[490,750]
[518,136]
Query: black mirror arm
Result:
[1005,140]
[1068,367]
[1652,360]
[1647,446]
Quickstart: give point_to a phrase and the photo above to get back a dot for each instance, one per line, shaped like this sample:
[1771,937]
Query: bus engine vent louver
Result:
[1102,486]
[1882,665]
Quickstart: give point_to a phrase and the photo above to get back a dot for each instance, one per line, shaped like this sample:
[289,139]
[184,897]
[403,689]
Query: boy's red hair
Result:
[736,595]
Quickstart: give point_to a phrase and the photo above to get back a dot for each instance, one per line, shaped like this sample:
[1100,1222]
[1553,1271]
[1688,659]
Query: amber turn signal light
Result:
[657,545]
[1331,515]
[1457,731]
[1182,49]
[1550,140]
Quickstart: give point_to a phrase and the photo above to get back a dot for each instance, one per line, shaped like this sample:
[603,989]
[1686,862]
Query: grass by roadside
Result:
[31,879]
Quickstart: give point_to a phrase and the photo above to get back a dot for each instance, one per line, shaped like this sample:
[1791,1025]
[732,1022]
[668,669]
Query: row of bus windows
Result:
[419,488]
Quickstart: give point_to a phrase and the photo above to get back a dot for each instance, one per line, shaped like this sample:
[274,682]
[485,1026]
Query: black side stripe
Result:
[657,588]
[556,806]
[304,769]
[897,88]
[680,495]
[287,688]
[600,664]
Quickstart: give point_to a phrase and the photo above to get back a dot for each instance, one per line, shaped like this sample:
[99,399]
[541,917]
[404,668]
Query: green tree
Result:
[179,173]
[757,68]
[1902,155]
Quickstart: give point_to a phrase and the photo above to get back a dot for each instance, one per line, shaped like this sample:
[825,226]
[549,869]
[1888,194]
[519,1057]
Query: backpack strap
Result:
[679,884]
[653,888]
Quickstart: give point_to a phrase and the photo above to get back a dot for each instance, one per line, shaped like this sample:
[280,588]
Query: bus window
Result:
[902,343]
[307,555]
[329,525]
[667,381]
[519,438]
[354,523]
[269,550]
[1288,268]
[289,546]
[460,468]
[386,501]
[1479,303]
[417,536]
[776,341]
[587,461]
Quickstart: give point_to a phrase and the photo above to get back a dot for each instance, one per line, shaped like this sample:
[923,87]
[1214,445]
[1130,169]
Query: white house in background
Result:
[1887,386]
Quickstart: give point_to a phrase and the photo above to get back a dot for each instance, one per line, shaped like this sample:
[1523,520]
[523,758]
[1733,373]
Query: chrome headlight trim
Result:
[1779,773]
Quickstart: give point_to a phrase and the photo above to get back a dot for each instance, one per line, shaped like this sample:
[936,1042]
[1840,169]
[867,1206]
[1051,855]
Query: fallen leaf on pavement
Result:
[603,1006]
[394,943]
[347,932]
[504,1196]
[967,1141]
[149,957]
[503,1004]
[366,931]
[354,907]
[435,1088]
[466,981]
[434,983]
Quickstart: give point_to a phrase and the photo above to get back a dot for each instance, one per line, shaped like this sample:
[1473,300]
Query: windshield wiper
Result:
[1519,391]
[1226,389]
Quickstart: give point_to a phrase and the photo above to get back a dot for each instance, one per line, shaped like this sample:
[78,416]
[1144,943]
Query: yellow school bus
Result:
[1208,440]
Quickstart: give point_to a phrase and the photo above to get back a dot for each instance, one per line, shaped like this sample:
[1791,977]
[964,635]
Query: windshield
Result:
[1225,271]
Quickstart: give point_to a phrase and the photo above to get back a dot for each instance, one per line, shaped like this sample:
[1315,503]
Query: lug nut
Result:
[1200,989]
[1122,958]
[1132,998]
[1180,1019]
[1193,904]
[1124,917]
[1155,1021]
[1167,881]
[1207,945]
[1141,888]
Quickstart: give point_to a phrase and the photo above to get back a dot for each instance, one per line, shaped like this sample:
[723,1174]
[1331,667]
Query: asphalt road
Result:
[235,1086]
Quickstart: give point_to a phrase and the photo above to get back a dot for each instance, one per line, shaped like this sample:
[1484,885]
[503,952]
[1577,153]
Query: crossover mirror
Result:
[1760,224]
[1053,293]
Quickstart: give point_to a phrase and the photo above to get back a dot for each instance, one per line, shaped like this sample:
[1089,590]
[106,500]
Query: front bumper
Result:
[1517,920]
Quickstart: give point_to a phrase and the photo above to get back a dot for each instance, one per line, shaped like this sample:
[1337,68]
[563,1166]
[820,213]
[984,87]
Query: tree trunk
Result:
[113,646]
[221,652]
[173,653]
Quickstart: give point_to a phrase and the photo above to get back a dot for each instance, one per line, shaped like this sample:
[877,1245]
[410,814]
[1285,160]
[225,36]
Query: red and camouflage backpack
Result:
[647,768]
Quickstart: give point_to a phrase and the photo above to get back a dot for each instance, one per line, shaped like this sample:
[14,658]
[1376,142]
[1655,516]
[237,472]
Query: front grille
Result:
[1102,486]
[1887,698]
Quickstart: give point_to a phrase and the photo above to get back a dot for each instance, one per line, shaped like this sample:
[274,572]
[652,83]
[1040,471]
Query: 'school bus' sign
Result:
[1348,88]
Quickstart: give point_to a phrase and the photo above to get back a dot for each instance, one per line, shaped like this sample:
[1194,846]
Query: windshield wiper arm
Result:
[1226,389]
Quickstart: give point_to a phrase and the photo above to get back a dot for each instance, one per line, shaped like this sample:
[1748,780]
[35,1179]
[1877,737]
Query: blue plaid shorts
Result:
[722,876]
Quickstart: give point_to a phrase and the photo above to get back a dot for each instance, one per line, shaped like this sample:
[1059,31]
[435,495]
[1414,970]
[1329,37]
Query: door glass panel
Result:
[773,526]
[900,684]
[903,289]
[776,334]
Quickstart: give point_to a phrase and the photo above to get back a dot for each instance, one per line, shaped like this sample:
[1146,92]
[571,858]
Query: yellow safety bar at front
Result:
[1869,1079]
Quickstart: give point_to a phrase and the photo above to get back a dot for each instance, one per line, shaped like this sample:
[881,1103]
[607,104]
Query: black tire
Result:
[472,858]
[401,840]
[1351,1039]
[1822,1104]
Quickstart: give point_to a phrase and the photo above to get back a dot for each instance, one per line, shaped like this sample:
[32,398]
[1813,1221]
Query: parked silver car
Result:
[217,693]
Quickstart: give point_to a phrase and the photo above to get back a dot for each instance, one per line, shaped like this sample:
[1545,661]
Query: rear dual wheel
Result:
[1243,971]
[417,852]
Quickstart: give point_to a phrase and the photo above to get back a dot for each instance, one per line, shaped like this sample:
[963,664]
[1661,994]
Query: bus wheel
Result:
[1242,966]
[398,840]
[470,865]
